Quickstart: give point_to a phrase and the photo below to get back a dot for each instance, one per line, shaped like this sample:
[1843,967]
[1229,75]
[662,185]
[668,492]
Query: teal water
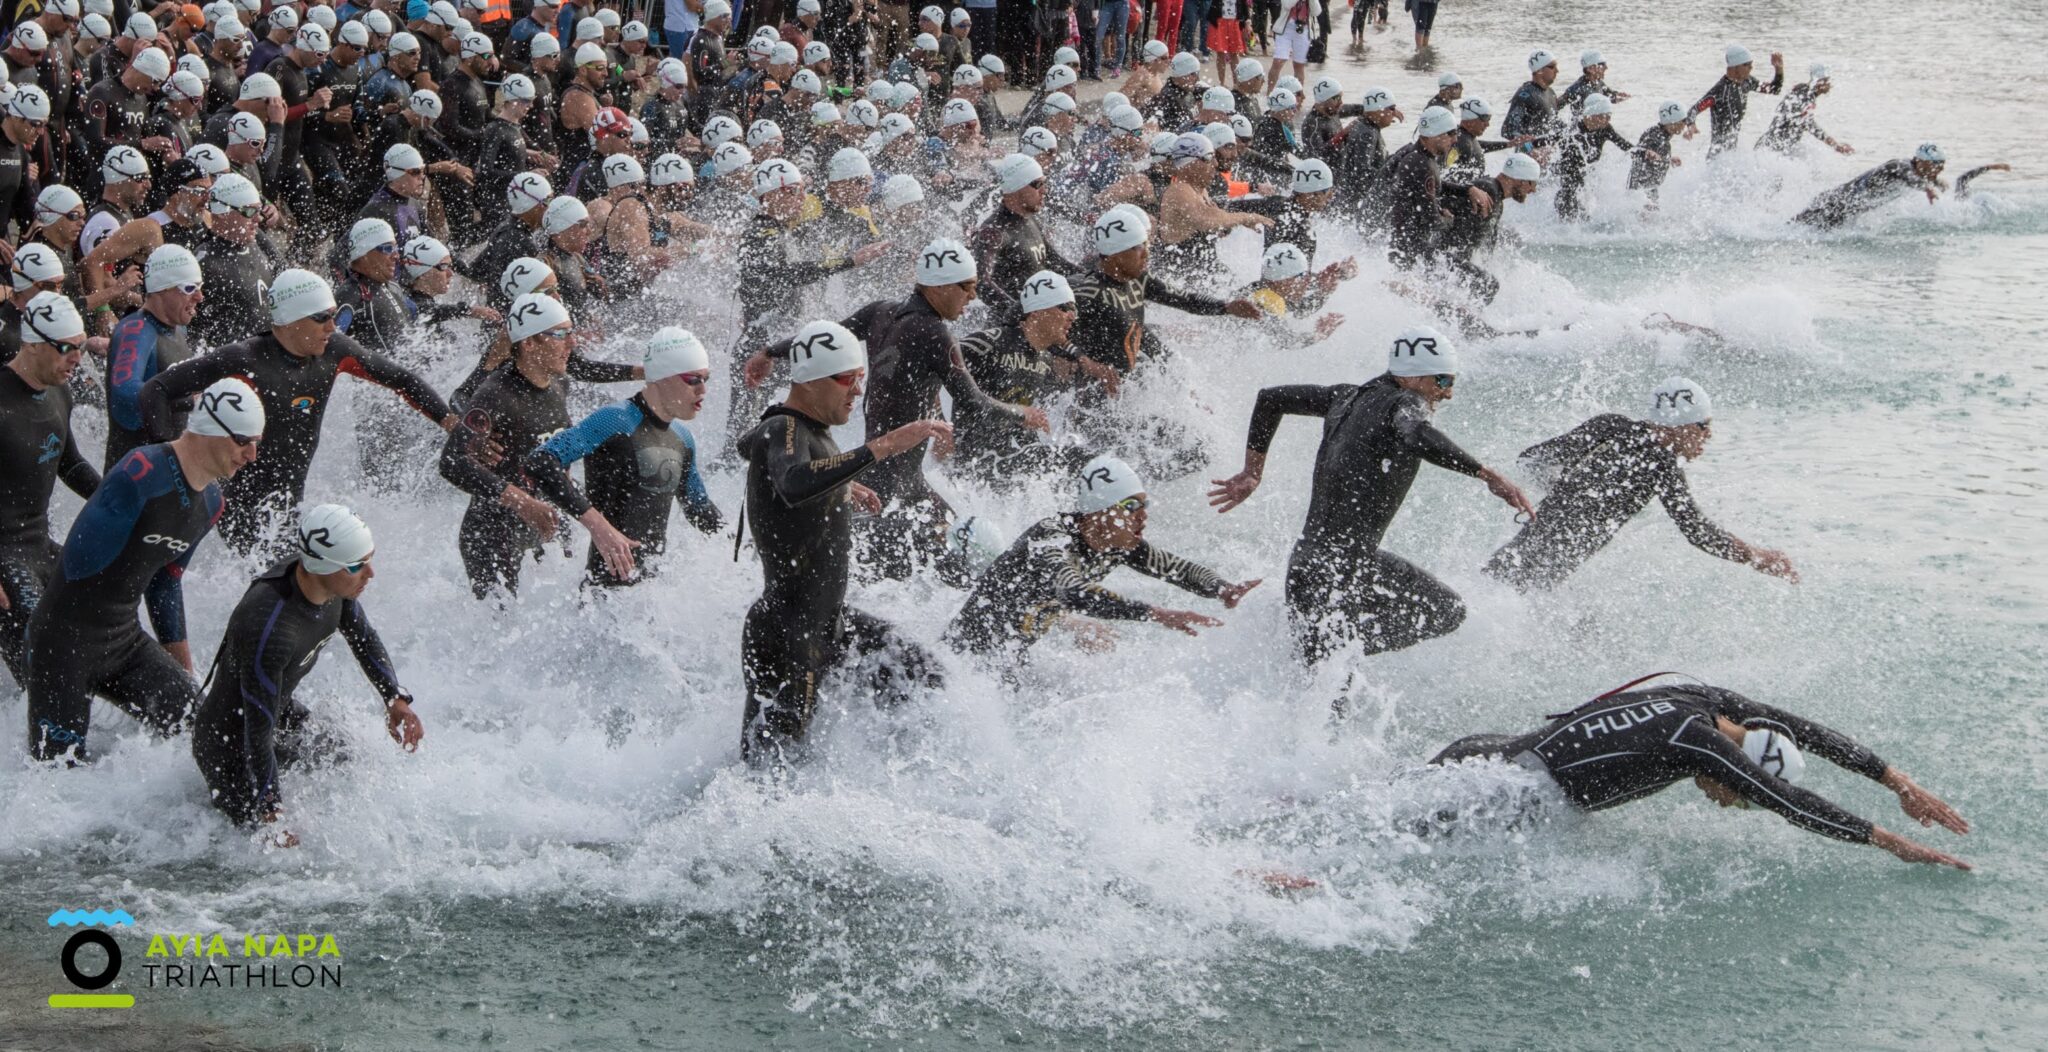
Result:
[574,861]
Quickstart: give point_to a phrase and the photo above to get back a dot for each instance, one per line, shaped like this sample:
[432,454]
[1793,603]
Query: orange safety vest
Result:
[498,11]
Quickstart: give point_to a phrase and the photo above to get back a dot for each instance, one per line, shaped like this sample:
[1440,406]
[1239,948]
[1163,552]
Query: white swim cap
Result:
[621,169]
[1326,88]
[1672,112]
[1474,108]
[29,36]
[1191,147]
[314,39]
[228,408]
[527,191]
[730,158]
[1437,120]
[720,130]
[817,51]
[296,294]
[899,191]
[35,262]
[55,202]
[670,169]
[50,317]
[1219,98]
[1312,176]
[402,159]
[1125,119]
[1122,228]
[1736,55]
[674,351]
[523,275]
[168,267]
[1283,261]
[425,103]
[1377,99]
[1930,153]
[1281,100]
[1288,81]
[1448,80]
[123,164]
[1059,77]
[534,313]
[782,53]
[1422,351]
[1249,69]
[590,55]
[1219,134]
[958,112]
[1017,171]
[1817,72]
[332,539]
[977,541]
[776,174]
[544,45]
[848,163]
[30,103]
[1677,402]
[716,9]
[563,212]
[152,63]
[1037,142]
[1597,105]
[184,86]
[1522,166]
[807,82]
[1103,483]
[634,30]
[1184,65]
[244,128]
[406,44]
[1540,58]
[825,112]
[1154,50]
[1590,58]
[1047,288]
[1066,56]
[822,349]
[945,262]
[926,42]
[421,255]
[991,64]
[865,114]
[210,160]
[1770,748]
[517,87]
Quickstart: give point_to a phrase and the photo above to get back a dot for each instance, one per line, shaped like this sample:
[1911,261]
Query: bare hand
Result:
[868,253]
[181,651]
[538,515]
[1233,491]
[1922,806]
[486,313]
[1035,418]
[321,99]
[1844,149]
[281,838]
[1676,161]
[908,437]
[1777,59]
[1232,593]
[1774,563]
[1254,220]
[1183,620]
[1690,130]
[1908,851]
[5,603]
[758,367]
[615,548]
[863,498]
[402,725]
[1244,309]
[1499,486]
[1110,379]
[1480,200]
[156,144]
[1328,324]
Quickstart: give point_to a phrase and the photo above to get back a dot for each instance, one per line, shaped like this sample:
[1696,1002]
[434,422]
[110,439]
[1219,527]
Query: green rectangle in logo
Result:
[92,1000]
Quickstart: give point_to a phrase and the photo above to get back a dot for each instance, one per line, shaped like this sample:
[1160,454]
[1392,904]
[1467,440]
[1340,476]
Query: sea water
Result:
[575,859]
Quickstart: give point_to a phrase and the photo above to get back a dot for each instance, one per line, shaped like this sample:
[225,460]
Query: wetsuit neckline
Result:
[785,409]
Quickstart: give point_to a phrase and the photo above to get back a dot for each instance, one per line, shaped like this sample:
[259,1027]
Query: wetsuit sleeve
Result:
[1776,85]
[548,465]
[368,648]
[1157,292]
[459,463]
[103,526]
[1079,594]
[1699,531]
[1617,139]
[1287,400]
[797,478]
[698,506]
[75,470]
[1829,744]
[592,371]
[1708,753]
[1174,570]
[1963,181]
[387,373]
[182,381]
[1424,440]
[129,364]
[937,343]
[164,598]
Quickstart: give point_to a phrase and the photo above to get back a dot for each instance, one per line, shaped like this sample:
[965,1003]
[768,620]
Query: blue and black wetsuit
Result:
[249,725]
[635,467]
[801,628]
[1623,747]
[132,541]
[36,449]
[142,347]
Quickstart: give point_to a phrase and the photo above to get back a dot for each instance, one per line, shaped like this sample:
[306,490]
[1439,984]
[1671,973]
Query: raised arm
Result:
[796,478]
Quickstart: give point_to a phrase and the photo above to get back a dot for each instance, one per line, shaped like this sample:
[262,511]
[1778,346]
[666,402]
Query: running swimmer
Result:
[1607,470]
[131,542]
[1881,184]
[1017,364]
[36,449]
[1654,156]
[1795,123]
[1532,113]
[1626,745]
[1580,149]
[148,342]
[1727,102]
[1475,224]
[800,494]
[1057,568]
[250,726]
[293,368]
[1010,245]
[1340,583]
[639,459]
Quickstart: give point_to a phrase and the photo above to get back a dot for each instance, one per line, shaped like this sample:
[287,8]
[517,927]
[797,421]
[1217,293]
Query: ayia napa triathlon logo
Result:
[92,960]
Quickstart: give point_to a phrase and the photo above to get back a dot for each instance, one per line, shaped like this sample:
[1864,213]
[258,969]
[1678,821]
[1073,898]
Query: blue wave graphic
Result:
[75,918]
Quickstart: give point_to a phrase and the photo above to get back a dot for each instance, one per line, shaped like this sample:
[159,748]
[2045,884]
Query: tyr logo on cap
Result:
[1101,475]
[939,259]
[1112,226]
[307,538]
[1670,399]
[526,310]
[1773,757]
[811,345]
[1042,286]
[1414,348]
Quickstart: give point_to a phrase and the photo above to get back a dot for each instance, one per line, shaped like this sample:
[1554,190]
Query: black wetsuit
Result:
[1467,155]
[635,467]
[996,447]
[1576,94]
[234,276]
[1609,468]
[1794,121]
[508,241]
[132,541]
[774,273]
[1111,329]
[1340,583]
[1360,166]
[1580,150]
[1652,161]
[1623,747]
[1413,188]
[1050,571]
[911,355]
[801,627]
[295,393]
[1468,232]
[249,724]
[501,154]
[1862,194]
[518,416]
[36,449]
[1008,248]
[1726,103]
[1533,111]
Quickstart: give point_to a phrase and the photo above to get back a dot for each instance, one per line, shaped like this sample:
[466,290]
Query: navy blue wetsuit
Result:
[635,467]
[142,347]
[132,541]
[249,725]
[36,450]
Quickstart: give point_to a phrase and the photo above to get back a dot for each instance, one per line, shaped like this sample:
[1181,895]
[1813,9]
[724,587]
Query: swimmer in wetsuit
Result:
[36,449]
[249,726]
[146,343]
[800,493]
[1010,246]
[1018,364]
[1727,102]
[1340,583]
[1626,745]
[1608,469]
[1877,186]
[638,460]
[1057,567]
[132,541]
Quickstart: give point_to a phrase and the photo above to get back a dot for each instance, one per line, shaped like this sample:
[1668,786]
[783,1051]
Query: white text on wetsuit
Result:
[1623,719]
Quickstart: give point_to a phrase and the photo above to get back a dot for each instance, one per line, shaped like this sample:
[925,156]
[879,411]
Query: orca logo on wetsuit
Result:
[942,257]
[812,344]
[167,541]
[1413,348]
[53,447]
